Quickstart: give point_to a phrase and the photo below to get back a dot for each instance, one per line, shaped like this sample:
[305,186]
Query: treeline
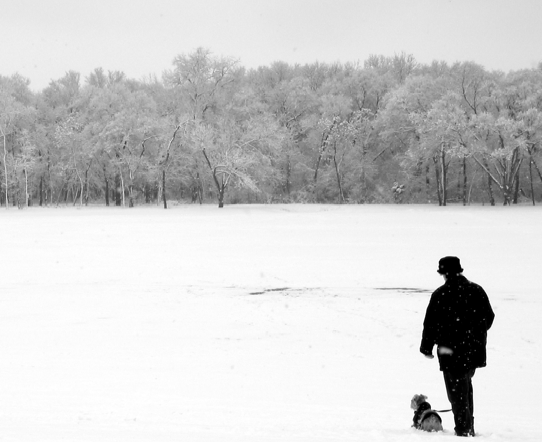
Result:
[387,130]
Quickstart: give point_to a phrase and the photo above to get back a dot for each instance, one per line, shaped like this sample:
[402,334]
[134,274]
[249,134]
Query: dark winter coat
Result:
[458,317]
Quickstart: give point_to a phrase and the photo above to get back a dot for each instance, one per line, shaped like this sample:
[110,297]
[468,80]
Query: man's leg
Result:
[460,395]
[470,375]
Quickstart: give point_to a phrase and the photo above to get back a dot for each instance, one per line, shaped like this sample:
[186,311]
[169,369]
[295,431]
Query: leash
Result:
[442,411]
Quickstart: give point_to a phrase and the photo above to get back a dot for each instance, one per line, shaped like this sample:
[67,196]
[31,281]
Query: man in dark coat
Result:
[457,320]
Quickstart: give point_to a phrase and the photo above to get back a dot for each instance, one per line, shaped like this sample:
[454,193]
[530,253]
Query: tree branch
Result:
[488,172]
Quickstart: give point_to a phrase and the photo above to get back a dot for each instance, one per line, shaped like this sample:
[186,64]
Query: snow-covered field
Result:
[256,323]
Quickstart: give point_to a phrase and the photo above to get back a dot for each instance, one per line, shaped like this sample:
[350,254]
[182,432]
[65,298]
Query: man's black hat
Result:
[449,265]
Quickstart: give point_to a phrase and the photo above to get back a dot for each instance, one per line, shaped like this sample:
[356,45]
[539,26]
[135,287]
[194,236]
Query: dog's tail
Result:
[430,421]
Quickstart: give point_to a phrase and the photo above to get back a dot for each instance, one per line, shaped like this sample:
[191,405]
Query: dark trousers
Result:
[460,395]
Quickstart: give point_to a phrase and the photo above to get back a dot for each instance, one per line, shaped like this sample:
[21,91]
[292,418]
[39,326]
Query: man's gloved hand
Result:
[445,351]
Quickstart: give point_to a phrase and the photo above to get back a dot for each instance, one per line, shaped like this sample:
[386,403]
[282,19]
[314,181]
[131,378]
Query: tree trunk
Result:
[6,168]
[516,189]
[427,183]
[58,197]
[443,178]
[437,177]
[199,180]
[490,190]
[106,189]
[118,201]
[531,180]
[363,174]
[337,173]
[77,193]
[130,195]
[464,181]
[26,195]
[147,193]
[81,184]
[506,196]
[158,191]
[220,186]
[537,168]
[41,191]
[470,187]
[130,187]
[459,182]
[51,191]
[86,186]
[221,192]
[20,203]
[122,189]
[489,183]
[288,174]
[164,188]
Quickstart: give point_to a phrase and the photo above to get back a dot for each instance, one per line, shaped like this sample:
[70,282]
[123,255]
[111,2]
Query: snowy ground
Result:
[256,323]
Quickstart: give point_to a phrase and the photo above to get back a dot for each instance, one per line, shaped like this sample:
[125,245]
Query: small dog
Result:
[425,418]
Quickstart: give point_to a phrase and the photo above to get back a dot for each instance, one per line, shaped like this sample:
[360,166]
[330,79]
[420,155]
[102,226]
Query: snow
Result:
[256,323]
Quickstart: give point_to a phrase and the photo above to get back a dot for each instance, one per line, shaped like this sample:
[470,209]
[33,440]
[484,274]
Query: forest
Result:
[386,130]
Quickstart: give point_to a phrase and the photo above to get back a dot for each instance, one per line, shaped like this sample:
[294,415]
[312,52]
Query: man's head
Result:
[449,265]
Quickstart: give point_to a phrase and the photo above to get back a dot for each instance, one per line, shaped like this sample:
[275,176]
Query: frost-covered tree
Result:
[238,152]
[16,113]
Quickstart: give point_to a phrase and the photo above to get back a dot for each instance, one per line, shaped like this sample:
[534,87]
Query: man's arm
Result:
[429,329]
[487,311]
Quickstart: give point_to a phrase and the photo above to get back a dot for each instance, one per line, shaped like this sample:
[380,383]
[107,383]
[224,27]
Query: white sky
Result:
[43,39]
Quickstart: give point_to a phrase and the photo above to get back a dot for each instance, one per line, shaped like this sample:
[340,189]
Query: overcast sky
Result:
[43,39]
